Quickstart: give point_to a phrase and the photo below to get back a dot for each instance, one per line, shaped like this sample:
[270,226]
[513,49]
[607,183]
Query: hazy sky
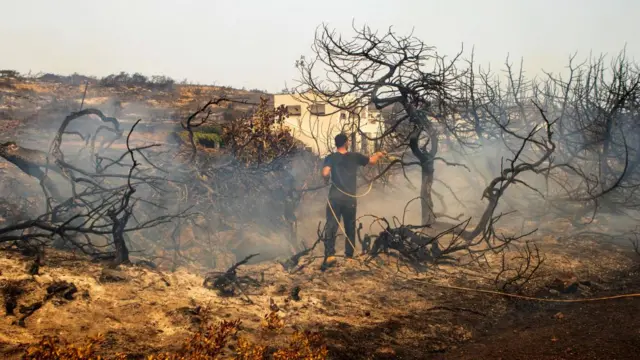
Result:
[255,43]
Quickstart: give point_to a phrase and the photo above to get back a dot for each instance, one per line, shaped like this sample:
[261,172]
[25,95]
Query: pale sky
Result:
[254,44]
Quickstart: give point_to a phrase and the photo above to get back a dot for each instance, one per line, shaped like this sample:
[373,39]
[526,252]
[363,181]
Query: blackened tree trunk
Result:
[119,224]
[426,159]
[32,162]
[122,252]
[428,215]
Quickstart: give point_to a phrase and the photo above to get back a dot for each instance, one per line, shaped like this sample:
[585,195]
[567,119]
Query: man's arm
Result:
[326,172]
[364,160]
[373,159]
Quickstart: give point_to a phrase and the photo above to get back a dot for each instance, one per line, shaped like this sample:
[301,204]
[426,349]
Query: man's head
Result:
[342,140]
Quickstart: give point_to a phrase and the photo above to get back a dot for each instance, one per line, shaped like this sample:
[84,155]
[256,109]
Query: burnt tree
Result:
[389,71]
[96,212]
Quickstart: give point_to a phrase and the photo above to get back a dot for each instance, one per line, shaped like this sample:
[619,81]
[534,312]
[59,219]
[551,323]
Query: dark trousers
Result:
[344,210]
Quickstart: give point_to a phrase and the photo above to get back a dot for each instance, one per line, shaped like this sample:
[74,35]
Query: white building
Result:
[316,123]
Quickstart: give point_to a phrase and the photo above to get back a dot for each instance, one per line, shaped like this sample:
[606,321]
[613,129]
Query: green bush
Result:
[205,139]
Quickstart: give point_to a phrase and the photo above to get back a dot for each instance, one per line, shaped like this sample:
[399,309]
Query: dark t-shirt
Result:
[343,173]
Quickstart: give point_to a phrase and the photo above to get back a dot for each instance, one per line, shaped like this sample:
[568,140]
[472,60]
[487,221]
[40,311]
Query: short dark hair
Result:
[341,139]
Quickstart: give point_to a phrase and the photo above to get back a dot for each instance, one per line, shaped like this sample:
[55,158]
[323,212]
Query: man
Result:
[341,166]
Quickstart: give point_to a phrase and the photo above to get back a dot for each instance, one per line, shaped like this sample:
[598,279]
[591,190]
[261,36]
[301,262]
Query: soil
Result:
[592,330]
[602,330]
[364,312]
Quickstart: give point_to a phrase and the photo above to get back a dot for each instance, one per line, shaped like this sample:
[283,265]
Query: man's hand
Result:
[373,159]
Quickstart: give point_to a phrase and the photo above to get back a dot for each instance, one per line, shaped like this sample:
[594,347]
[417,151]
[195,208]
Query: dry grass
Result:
[220,341]
[36,87]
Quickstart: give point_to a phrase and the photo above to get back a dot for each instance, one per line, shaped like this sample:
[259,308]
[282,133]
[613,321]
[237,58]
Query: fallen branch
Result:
[227,282]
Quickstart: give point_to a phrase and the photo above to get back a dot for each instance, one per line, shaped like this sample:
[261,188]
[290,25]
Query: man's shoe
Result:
[330,261]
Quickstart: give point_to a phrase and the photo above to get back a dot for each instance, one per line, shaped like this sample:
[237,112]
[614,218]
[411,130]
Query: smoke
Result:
[239,210]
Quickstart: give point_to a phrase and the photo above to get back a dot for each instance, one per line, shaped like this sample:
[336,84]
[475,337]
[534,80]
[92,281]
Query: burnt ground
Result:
[374,312]
[600,330]
[527,330]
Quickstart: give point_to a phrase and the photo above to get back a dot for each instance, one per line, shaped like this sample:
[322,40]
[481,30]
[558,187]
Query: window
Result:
[343,116]
[294,110]
[317,109]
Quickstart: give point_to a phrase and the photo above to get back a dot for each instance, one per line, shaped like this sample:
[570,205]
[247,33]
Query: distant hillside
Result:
[47,98]
[122,84]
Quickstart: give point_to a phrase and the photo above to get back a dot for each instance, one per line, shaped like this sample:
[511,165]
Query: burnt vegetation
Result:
[565,142]
[567,146]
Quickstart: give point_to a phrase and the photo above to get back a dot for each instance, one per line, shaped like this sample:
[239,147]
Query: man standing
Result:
[341,166]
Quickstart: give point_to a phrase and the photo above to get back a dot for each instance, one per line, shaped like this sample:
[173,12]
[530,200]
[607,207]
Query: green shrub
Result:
[203,139]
